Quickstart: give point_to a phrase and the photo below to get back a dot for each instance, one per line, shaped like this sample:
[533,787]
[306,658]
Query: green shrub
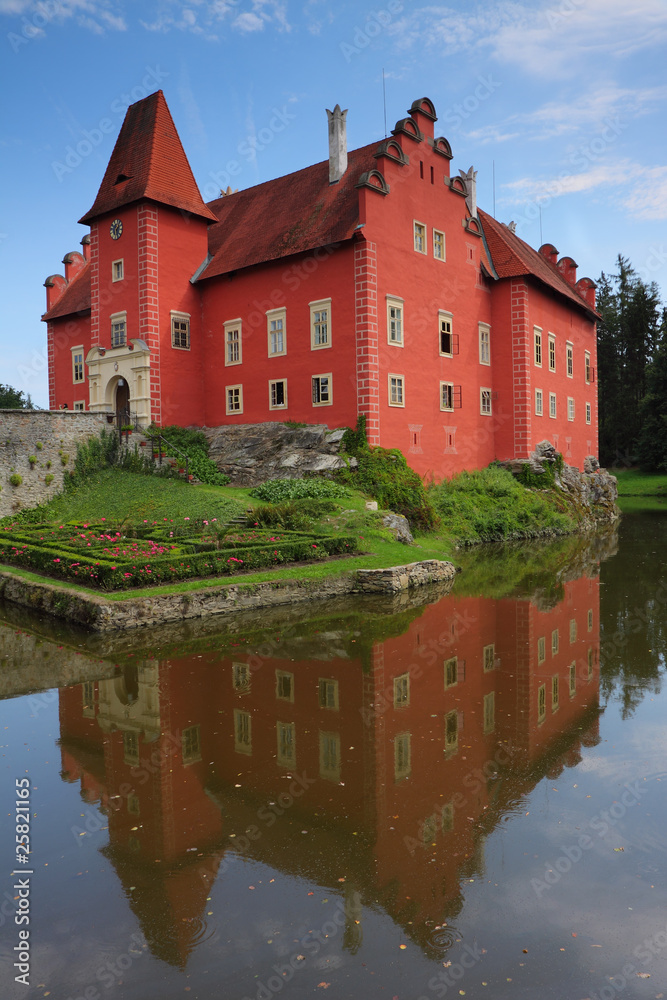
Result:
[33,461]
[194,443]
[295,515]
[49,463]
[39,446]
[16,479]
[64,458]
[48,478]
[386,476]
[280,490]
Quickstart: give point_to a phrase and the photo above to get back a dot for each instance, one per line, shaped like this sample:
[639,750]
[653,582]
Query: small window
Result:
[233,342]
[554,642]
[555,692]
[322,390]
[191,744]
[587,366]
[541,649]
[541,702]
[402,756]
[328,693]
[570,408]
[569,351]
[395,322]
[402,691]
[489,712]
[552,353]
[234,398]
[284,685]
[539,403]
[538,346]
[278,394]
[572,679]
[573,630]
[484,344]
[552,404]
[396,390]
[286,741]
[485,401]
[446,335]
[446,395]
[77,364]
[329,756]
[117,270]
[276,320]
[79,404]
[241,677]
[590,620]
[180,331]
[438,245]
[588,413]
[451,671]
[242,731]
[420,237]
[119,329]
[489,657]
[320,324]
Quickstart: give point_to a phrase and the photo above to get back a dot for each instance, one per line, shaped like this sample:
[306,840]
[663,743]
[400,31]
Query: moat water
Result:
[454,794]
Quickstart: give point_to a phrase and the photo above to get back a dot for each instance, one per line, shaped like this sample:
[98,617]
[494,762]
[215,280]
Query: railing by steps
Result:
[153,438]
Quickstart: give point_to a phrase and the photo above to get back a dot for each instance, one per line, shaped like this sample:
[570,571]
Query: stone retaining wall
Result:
[48,436]
[101,614]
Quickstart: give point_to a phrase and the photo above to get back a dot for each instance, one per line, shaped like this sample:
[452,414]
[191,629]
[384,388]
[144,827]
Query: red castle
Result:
[368,285]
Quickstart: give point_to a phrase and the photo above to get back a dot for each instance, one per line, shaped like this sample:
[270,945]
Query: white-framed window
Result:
[552,404]
[572,679]
[233,342]
[570,408]
[329,756]
[396,390]
[402,756]
[320,324]
[539,402]
[588,371]
[555,642]
[242,731]
[77,364]
[489,657]
[278,394]
[552,353]
[419,230]
[588,413]
[537,346]
[241,677]
[489,712]
[541,702]
[451,732]
[328,693]
[286,744]
[394,321]
[555,693]
[451,671]
[191,744]
[234,398]
[131,747]
[402,691]
[117,270]
[573,629]
[589,620]
[438,244]
[322,389]
[485,401]
[118,329]
[446,342]
[79,404]
[484,344]
[276,328]
[446,395]
[569,357]
[541,650]
[180,331]
[284,685]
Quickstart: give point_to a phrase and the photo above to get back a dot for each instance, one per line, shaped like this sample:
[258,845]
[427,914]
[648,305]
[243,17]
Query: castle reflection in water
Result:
[397,746]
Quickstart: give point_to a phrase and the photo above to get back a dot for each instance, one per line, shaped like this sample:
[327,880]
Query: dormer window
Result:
[122,177]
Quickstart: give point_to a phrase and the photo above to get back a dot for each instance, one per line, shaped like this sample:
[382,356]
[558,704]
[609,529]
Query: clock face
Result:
[116,229]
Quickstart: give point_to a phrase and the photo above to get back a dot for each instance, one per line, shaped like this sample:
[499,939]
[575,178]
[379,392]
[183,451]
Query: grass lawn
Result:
[633,483]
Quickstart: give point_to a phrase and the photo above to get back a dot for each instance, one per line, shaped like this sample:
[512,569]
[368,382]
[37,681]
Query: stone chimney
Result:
[337,144]
[470,181]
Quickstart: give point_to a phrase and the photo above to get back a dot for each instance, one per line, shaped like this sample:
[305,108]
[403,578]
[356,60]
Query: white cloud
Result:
[95,15]
[248,22]
[204,17]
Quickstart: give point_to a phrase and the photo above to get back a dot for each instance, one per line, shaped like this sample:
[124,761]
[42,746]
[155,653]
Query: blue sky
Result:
[567,98]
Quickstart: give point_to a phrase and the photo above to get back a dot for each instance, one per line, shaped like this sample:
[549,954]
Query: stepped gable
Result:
[148,161]
[292,214]
[75,298]
[513,257]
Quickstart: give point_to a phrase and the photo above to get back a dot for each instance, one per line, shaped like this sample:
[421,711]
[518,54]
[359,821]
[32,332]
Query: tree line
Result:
[632,370]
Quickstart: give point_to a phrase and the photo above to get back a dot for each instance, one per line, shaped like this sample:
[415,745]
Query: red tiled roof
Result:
[148,152]
[288,215]
[75,298]
[513,257]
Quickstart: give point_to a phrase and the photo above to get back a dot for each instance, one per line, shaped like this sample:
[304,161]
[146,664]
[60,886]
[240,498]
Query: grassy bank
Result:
[641,491]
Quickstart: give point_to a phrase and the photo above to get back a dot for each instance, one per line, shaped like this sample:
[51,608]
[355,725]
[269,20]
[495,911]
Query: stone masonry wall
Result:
[51,437]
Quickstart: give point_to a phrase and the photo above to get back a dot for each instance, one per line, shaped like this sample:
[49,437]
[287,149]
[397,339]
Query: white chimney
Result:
[337,144]
[470,179]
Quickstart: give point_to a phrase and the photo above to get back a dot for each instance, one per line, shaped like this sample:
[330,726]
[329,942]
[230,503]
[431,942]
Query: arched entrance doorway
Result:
[122,402]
